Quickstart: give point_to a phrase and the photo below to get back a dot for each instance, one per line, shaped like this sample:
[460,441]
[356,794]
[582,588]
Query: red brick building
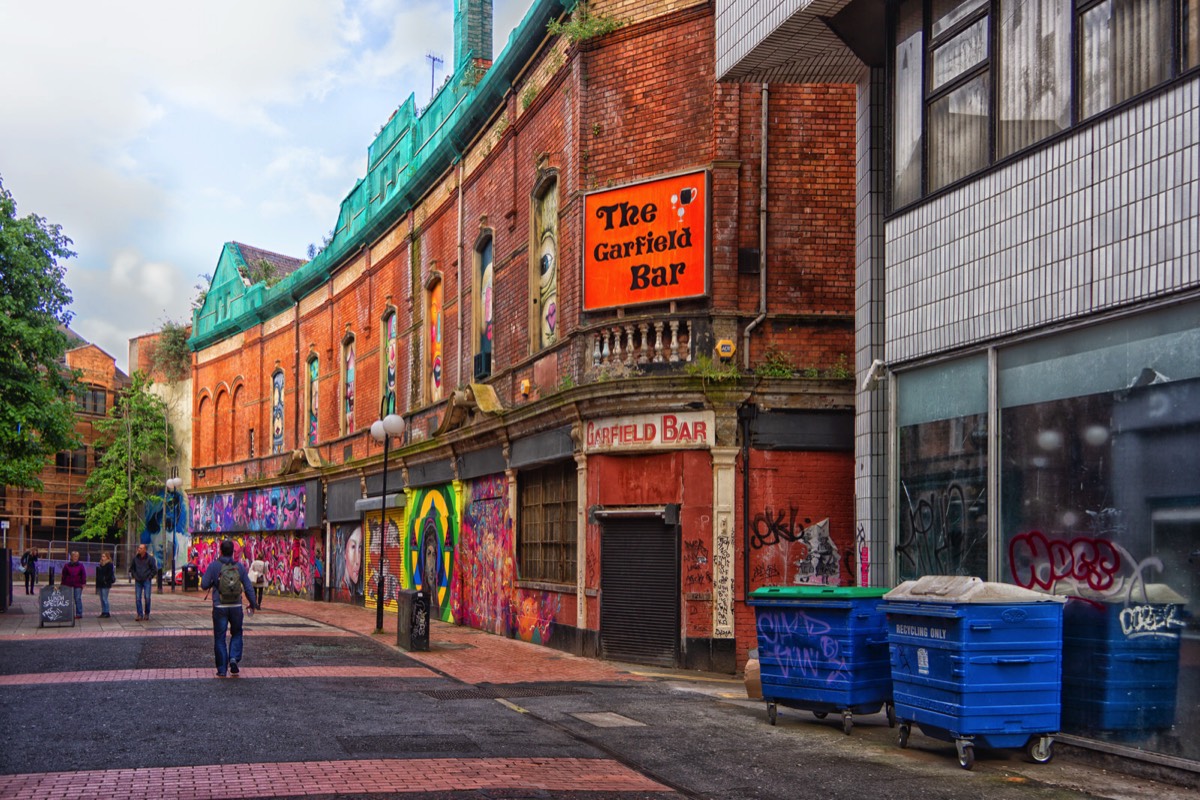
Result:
[48,519]
[613,301]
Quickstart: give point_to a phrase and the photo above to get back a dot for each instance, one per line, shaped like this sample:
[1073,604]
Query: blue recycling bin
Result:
[974,662]
[1121,662]
[823,649]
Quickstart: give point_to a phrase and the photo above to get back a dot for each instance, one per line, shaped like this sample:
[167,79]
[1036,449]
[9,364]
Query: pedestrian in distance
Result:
[228,580]
[75,575]
[258,577]
[106,576]
[142,569]
[29,561]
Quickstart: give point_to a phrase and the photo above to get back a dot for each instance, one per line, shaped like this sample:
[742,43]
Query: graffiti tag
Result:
[801,645]
[1151,620]
[1082,561]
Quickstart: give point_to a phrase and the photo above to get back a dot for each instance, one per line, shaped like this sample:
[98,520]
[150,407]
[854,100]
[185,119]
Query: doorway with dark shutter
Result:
[639,590]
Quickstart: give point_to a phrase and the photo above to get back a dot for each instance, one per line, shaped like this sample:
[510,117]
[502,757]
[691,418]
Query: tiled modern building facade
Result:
[613,301]
[1029,282]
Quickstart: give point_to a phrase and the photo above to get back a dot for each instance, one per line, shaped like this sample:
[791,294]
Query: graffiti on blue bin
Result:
[802,645]
[1151,620]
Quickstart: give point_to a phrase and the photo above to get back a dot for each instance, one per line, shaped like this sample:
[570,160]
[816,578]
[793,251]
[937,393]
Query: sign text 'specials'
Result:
[56,606]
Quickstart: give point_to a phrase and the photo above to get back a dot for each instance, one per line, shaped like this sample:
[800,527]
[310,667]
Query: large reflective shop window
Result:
[942,501]
[1100,501]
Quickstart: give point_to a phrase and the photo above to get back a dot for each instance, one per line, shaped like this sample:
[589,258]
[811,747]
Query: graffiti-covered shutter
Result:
[639,591]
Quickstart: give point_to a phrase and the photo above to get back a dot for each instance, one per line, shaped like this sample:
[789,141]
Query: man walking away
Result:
[228,581]
[142,569]
[75,575]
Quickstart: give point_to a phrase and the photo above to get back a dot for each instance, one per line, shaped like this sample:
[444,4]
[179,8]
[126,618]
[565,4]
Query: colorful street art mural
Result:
[348,399]
[289,558]
[393,560]
[546,236]
[434,343]
[486,595]
[279,508]
[277,413]
[389,378]
[166,535]
[346,564]
[314,383]
[430,540]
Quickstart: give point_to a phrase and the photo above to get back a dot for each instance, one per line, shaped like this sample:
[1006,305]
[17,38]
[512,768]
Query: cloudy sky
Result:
[153,132]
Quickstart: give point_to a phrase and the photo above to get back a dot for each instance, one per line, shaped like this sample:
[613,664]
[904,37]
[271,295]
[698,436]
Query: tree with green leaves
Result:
[171,357]
[134,444]
[37,403]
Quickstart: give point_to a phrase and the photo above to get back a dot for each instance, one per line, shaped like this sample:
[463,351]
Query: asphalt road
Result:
[319,711]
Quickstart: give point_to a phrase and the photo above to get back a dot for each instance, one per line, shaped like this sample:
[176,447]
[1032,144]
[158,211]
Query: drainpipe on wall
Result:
[762,232]
[461,314]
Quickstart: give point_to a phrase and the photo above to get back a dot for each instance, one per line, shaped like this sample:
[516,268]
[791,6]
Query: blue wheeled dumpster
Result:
[1121,661]
[976,663]
[823,649]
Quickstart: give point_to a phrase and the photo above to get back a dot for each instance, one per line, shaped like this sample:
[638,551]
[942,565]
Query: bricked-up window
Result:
[546,523]
[348,426]
[543,273]
[388,363]
[484,287]
[312,402]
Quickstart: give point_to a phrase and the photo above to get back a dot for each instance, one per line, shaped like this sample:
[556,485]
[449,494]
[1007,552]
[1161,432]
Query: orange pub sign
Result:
[646,243]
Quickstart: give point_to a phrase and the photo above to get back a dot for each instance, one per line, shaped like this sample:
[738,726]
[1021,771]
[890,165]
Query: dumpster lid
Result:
[964,589]
[1154,593]
[805,592]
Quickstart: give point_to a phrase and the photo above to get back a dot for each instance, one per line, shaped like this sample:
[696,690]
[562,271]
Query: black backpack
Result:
[229,584]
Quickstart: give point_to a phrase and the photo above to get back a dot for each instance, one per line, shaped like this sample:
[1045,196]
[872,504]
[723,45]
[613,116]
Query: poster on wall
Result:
[647,242]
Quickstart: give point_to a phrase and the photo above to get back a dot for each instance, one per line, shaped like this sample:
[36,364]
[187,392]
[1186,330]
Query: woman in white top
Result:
[258,576]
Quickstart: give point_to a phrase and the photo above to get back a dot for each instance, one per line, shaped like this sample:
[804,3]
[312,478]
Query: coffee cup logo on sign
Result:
[685,198]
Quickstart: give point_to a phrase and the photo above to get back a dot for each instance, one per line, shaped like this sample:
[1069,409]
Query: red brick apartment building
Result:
[612,300]
[49,518]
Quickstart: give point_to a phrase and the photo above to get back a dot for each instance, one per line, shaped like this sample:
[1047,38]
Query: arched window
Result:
[221,443]
[234,435]
[312,398]
[277,412]
[543,267]
[433,337]
[484,292]
[202,455]
[348,385]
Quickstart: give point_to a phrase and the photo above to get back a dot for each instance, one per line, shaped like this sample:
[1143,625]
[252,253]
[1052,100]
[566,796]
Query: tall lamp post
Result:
[173,485]
[382,430]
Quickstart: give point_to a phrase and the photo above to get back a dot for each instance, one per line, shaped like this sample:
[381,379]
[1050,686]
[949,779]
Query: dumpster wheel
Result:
[1040,749]
[847,722]
[772,713]
[902,734]
[891,714]
[966,753]
[820,714]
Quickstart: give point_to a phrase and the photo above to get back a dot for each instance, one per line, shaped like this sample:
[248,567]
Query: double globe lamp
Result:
[382,430]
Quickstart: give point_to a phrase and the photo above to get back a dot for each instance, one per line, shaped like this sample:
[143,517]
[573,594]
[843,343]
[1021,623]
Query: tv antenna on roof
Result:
[434,61]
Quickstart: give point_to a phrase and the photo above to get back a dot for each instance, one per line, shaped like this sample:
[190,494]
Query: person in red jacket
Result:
[75,576]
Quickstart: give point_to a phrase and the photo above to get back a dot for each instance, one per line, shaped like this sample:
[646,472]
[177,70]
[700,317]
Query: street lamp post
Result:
[382,430]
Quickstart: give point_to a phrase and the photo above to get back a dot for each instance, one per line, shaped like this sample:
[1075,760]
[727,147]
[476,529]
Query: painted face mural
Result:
[429,547]
[435,343]
[314,371]
[486,279]
[349,407]
[547,265]
[390,378]
[345,564]
[277,413]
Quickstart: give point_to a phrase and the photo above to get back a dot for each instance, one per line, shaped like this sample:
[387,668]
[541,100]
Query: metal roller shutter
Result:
[639,591]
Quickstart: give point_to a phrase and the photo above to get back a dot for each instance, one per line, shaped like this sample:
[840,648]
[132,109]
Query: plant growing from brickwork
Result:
[171,358]
[565,383]
[264,272]
[528,96]
[775,364]
[840,369]
[583,25]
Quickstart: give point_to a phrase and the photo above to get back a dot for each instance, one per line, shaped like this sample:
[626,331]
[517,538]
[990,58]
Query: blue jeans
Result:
[231,618]
[142,588]
[103,592]
[78,600]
